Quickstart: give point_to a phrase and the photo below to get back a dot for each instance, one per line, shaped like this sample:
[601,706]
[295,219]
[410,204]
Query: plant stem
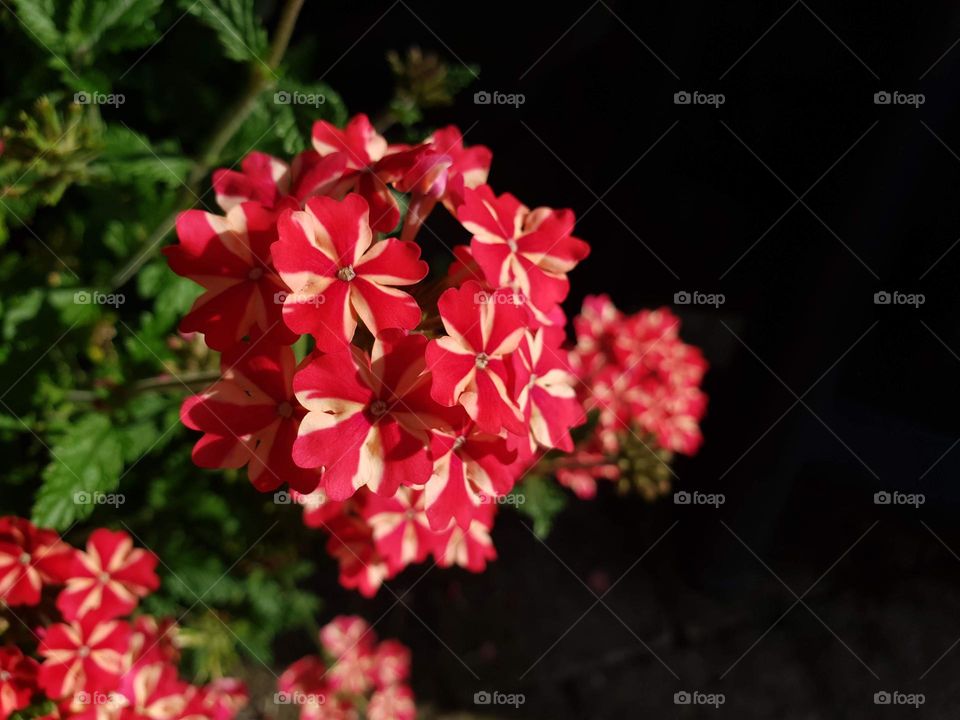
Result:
[197,380]
[260,79]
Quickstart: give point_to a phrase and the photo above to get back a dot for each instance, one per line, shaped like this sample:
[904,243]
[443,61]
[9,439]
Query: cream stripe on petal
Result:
[509,343]
[325,412]
[120,553]
[370,466]
[317,235]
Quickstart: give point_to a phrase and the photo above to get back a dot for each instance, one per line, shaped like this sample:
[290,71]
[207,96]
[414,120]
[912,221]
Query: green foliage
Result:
[543,500]
[94,370]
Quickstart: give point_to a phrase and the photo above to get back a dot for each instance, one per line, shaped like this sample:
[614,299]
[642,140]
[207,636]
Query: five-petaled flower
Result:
[85,655]
[230,257]
[337,274]
[109,578]
[470,364]
[530,251]
[250,417]
[367,418]
[18,677]
[30,558]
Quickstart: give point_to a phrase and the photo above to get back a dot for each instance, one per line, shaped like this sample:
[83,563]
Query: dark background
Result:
[673,198]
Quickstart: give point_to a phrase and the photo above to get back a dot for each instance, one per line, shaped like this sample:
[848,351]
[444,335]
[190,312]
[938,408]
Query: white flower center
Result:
[255,273]
[483,360]
[25,558]
[458,443]
[83,651]
[512,244]
[104,577]
[4,676]
[378,407]
[346,273]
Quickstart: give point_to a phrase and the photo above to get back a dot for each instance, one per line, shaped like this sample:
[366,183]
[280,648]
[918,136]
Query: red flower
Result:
[470,364]
[391,663]
[470,548]
[18,680]
[153,692]
[549,397]
[469,468]
[230,257]
[86,655]
[346,633]
[336,275]
[400,527]
[370,165]
[361,566]
[110,577]
[469,166]
[367,418]
[530,251]
[268,180]
[250,417]
[392,703]
[29,558]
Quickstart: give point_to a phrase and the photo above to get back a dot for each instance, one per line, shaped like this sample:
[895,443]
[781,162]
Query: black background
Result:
[819,397]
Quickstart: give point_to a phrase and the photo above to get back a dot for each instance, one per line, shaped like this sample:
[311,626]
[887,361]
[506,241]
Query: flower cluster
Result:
[643,384]
[91,662]
[416,405]
[356,672]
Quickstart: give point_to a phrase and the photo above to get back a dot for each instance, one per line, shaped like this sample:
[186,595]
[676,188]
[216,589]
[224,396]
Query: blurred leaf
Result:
[240,32]
[87,459]
[542,501]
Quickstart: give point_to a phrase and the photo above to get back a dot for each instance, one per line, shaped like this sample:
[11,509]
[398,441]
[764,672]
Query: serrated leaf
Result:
[87,459]
[236,25]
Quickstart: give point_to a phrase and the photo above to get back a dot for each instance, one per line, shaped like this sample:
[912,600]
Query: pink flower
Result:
[530,251]
[85,655]
[470,467]
[370,165]
[549,396]
[469,166]
[18,680]
[391,663]
[29,559]
[345,633]
[269,180]
[361,567]
[392,703]
[470,364]
[250,417]
[469,548]
[400,527]
[337,274]
[153,692]
[230,257]
[367,417]
[110,577]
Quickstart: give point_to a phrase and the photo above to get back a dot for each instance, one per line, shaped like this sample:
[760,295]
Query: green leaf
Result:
[87,459]
[37,16]
[236,25]
[542,501]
